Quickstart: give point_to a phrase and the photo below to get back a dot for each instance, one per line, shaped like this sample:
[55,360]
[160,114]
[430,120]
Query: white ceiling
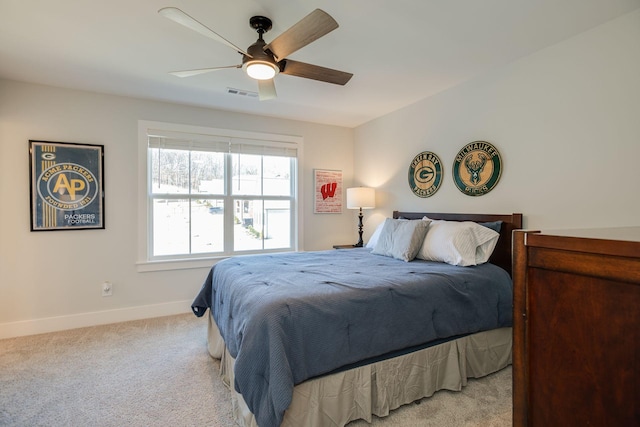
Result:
[399,51]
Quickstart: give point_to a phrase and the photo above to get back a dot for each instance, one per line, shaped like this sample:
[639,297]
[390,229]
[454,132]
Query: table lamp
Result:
[360,198]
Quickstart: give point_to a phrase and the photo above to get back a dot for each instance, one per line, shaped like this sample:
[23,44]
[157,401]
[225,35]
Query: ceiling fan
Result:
[263,61]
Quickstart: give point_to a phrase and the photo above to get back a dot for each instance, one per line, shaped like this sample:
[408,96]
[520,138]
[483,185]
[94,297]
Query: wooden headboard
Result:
[502,253]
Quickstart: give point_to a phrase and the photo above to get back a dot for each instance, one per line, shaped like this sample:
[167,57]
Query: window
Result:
[218,192]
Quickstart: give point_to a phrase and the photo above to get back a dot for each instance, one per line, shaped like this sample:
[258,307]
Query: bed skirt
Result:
[380,387]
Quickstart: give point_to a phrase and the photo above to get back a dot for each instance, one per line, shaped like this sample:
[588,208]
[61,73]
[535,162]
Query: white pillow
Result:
[375,236]
[401,239]
[458,243]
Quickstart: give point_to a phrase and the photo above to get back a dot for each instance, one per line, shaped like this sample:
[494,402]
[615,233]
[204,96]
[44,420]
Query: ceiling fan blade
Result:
[189,73]
[266,89]
[315,72]
[180,17]
[310,28]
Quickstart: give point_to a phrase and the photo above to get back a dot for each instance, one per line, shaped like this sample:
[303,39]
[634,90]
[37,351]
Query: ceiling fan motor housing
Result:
[257,52]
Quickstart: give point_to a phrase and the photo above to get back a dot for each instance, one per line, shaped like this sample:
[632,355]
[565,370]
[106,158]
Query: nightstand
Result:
[345,246]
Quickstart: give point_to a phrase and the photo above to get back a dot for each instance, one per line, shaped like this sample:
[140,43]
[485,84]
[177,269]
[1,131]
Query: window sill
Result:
[179,264]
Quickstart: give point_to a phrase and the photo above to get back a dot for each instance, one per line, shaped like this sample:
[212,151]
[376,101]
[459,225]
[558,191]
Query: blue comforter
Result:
[289,317]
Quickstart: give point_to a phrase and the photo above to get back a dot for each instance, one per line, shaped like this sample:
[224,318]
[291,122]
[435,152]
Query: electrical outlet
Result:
[107,289]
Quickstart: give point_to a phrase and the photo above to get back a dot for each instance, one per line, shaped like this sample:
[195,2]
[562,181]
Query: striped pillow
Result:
[400,239]
[458,243]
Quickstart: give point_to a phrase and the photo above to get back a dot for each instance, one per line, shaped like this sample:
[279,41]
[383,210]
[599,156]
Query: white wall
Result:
[51,280]
[566,121]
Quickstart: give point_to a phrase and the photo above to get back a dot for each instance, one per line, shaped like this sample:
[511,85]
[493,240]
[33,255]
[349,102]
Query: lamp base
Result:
[360,242]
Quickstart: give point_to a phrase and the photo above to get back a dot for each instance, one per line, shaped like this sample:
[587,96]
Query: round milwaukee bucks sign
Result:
[477,168]
[425,174]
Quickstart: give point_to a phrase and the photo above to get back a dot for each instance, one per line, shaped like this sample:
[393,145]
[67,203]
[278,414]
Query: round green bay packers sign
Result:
[425,174]
[477,168]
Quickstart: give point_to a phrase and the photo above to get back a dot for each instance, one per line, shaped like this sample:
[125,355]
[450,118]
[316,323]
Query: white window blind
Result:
[203,205]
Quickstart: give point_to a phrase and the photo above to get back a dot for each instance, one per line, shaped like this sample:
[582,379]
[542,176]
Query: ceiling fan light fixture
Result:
[261,70]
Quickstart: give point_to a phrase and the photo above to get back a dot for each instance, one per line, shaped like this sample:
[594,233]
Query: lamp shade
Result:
[361,197]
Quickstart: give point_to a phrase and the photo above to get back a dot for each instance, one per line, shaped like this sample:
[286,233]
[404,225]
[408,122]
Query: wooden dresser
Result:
[576,327]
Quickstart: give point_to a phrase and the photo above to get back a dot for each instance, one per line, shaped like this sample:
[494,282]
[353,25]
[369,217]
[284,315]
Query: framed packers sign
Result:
[67,187]
[477,168]
[425,174]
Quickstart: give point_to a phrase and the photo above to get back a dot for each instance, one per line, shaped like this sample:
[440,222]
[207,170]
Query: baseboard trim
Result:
[81,320]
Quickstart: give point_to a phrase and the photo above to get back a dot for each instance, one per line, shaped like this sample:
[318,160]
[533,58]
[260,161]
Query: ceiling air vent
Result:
[241,92]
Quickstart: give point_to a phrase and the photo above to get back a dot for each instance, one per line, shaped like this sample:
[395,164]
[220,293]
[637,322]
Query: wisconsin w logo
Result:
[328,190]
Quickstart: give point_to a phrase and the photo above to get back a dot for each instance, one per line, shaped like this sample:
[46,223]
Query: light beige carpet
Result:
[157,372]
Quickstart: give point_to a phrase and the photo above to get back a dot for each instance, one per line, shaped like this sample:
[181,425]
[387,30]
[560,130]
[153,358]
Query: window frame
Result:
[145,260]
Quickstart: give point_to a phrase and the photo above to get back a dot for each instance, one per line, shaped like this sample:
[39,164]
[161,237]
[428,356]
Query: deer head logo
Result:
[475,167]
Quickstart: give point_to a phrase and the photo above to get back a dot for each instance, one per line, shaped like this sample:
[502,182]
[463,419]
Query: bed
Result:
[323,338]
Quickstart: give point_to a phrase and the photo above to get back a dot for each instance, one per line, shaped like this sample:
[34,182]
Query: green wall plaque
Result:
[425,174]
[477,168]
